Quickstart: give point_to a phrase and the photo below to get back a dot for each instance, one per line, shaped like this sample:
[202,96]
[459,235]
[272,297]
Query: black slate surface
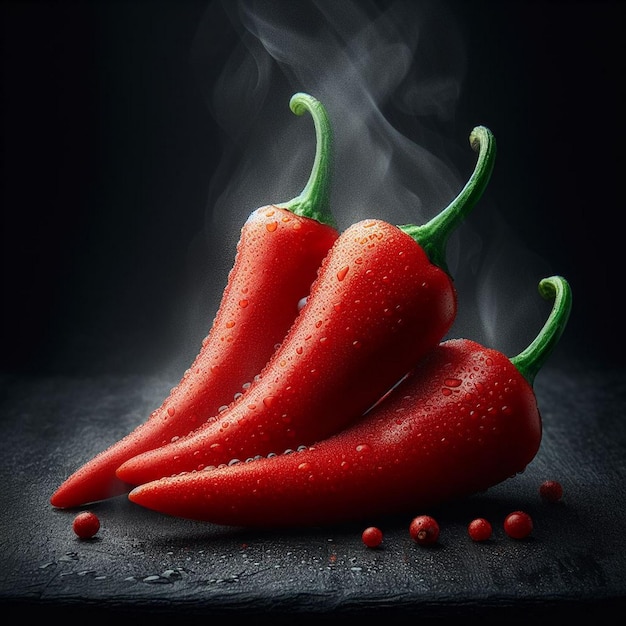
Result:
[145,564]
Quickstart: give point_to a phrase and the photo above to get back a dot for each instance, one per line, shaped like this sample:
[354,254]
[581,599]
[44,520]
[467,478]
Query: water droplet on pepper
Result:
[341,274]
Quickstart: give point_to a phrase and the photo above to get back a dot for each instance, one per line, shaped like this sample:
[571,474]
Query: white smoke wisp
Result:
[390,80]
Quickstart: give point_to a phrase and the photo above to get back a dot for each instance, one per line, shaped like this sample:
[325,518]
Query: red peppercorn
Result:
[424,530]
[479,529]
[86,524]
[518,525]
[551,490]
[372,537]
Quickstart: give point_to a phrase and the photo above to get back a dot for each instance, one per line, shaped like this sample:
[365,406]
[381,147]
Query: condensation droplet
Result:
[341,274]
[171,411]
[243,303]
[268,401]
[271,226]
[452,382]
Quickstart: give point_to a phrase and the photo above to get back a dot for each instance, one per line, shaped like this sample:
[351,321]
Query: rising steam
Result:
[390,79]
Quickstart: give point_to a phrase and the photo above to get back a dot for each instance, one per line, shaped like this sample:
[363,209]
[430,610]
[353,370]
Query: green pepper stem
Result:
[314,200]
[433,236]
[529,361]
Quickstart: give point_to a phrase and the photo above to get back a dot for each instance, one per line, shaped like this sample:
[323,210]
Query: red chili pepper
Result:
[278,254]
[464,420]
[378,305]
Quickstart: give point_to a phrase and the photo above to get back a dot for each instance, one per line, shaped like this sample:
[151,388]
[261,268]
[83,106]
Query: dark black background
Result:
[108,150]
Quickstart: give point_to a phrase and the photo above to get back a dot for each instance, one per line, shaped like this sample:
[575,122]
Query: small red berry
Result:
[479,529]
[372,537]
[424,530]
[551,490]
[86,524]
[518,525]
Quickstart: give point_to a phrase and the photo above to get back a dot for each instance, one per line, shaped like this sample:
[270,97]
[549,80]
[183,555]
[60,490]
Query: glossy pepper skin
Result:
[464,420]
[278,254]
[378,305]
